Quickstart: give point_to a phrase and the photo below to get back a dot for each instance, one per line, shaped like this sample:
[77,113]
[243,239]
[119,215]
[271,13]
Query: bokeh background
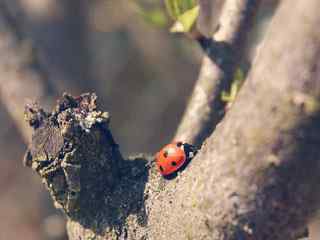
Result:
[120,49]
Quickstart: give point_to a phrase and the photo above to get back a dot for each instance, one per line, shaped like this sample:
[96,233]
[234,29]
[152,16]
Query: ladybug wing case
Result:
[170,159]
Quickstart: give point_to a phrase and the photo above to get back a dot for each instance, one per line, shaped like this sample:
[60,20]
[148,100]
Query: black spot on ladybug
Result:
[161,168]
[173,163]
[165,154]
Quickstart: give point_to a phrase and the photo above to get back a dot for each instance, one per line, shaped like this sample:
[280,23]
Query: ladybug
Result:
[173,156]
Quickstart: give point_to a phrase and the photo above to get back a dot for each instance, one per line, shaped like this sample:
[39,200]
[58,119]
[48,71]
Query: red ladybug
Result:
[173,156]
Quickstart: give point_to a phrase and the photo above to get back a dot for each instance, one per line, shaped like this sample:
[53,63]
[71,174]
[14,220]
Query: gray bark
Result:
[205,108]
[254,177]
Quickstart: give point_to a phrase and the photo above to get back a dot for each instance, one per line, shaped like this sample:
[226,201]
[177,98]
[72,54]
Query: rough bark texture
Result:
[254,178]
[205,108]
[74,153]
[77,159]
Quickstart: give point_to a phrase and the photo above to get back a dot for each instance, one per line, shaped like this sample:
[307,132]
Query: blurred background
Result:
[120,49]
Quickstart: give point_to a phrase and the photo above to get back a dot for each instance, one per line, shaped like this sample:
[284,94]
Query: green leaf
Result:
[239,75]
[185,21]
[176,8]
[171,9]
[238,79]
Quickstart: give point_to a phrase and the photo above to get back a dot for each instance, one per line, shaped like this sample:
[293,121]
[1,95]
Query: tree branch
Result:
[254,178]
[209,16]
[205,108]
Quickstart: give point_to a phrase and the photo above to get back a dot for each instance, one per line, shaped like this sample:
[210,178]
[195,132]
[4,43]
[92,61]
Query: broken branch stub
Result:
[74,153]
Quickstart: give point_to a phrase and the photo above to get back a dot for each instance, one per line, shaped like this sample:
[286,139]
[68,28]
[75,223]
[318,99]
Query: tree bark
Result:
[205,108]
[254,178]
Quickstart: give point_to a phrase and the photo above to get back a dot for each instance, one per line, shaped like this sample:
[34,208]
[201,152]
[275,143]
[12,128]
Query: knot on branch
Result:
[74,153]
